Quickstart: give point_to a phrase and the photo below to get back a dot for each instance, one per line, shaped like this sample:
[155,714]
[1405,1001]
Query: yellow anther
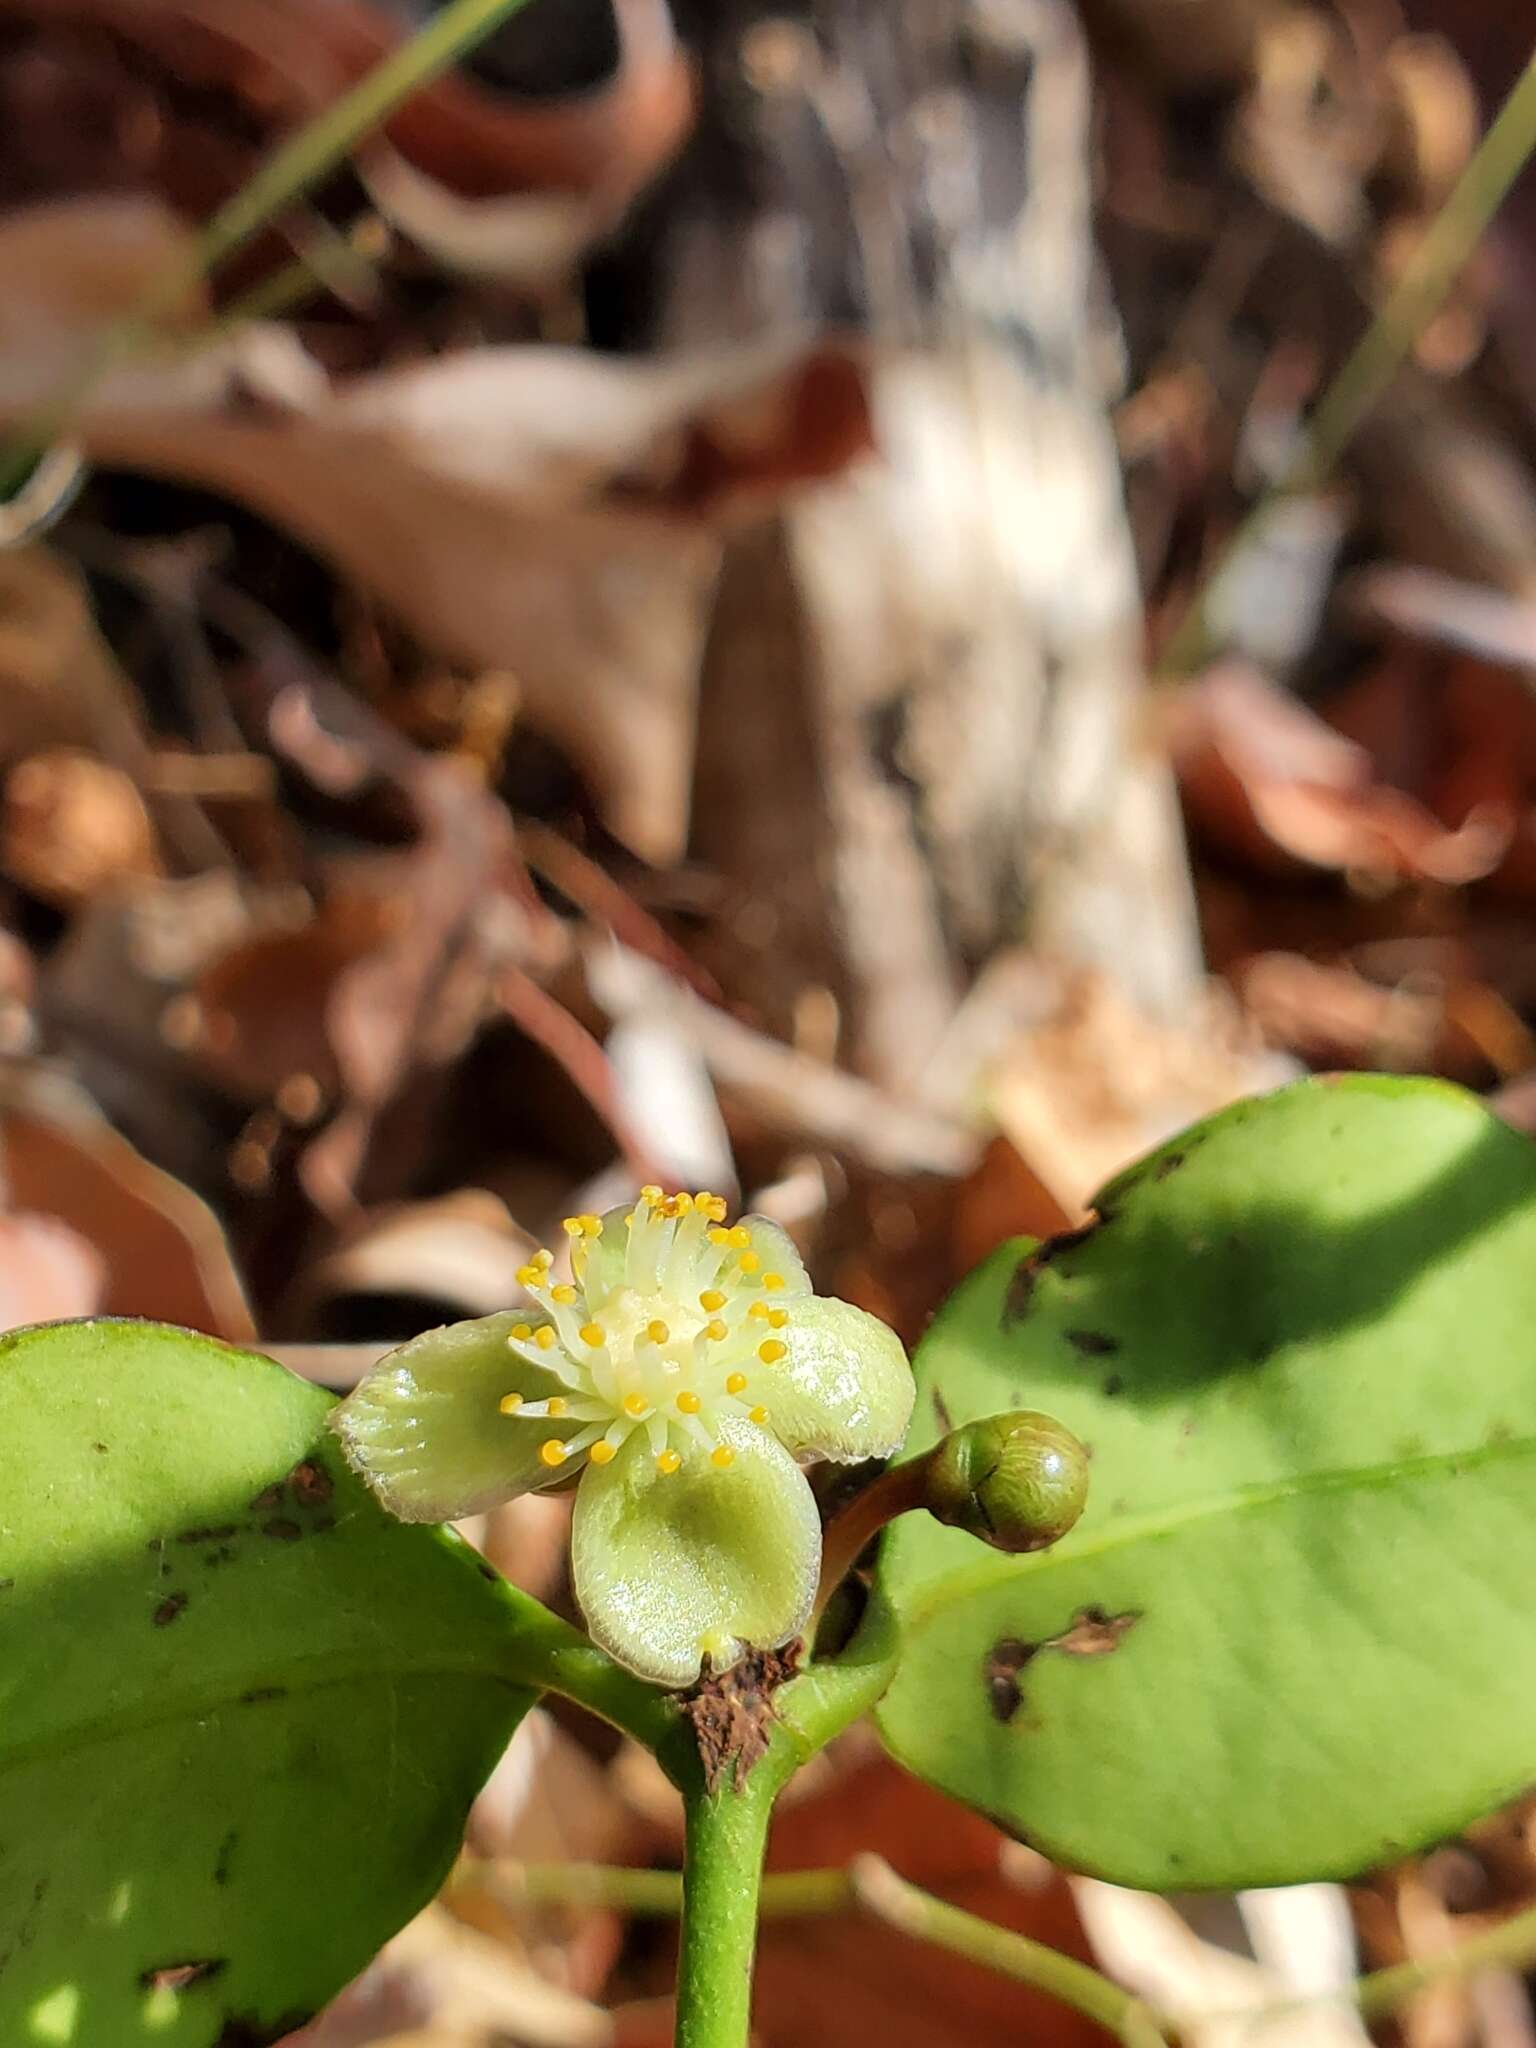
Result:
[530,1276]
[555,1405]
[591,1333]
[741,1237]
[749,1262]
[722,1456]
[736,1383]
[771,1352]
[544,1259]
[759,1311]
[564,1294]
[718,1234]
[711,1299]
[717,1331]
[703,1199]
[773,1281]
[689,1403]
[759,1415]
[636,1405]
[603,1452]
[544,1337]
[778,1318]
[521,1332]
[657,1331]
[553,1452]
[591,1226]
[573,1226]
[510,1403]
[682,1205]
[650,1192]
[668,1463]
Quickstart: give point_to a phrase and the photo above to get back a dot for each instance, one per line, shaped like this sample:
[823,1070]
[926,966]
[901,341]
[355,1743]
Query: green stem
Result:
[889,1898]
[650,1894]
[1513,1945]
[727,1832]
[1386,343]
[546,1653]
[294,167]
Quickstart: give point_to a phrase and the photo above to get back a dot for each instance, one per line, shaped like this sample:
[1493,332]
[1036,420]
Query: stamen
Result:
[749,1261]
[736,1383]
[530,1276]
[657,1331]
[564,1294]
[777,1318]
[636,1405]
[717,1330]
[689,1403]
[544,1337]
[521,1332]
[719,1235]
[573,1226]
[759,1415]
[722,1456]
[760,1311]
[510,1403]
[771,1352]
[650,1194]
[739,1236]
[603,1452]
[668,1463]
[592,1333]
[711,1299]
[555,1405]
[772,1281]
[553,1452]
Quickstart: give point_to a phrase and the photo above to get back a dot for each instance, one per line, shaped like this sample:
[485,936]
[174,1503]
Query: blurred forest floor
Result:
[617,642]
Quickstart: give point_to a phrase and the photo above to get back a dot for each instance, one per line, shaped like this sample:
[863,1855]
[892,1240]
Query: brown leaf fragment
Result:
[733,1714]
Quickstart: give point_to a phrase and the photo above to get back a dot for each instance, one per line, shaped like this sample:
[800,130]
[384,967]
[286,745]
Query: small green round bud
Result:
[1017,1481]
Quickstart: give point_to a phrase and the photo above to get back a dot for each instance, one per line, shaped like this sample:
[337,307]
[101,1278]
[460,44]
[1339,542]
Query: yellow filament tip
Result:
[759,1311]
[573,1226]
[510,1403]
[772,1351]
[718,1234]
[668,1463]
[602,1452]
[636,1405]
[749,1262]
[711,1299]
[689,1403]
[717,1331]
[650,1193]
[592,1333]
[530,1276]
[778,1318]
[657,1331]
[563,1294]
[722,1456]
[759,1415]
[740,1236]
[736,1383]
[555,1405]
[544,1337]
[521,1332]
[553,1452]
[773,1281]
[542,1258]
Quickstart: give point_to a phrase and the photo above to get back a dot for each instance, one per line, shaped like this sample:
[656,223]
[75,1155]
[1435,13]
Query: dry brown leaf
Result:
[48,1272]
[1265,778]
[163,1253]
[462,1249]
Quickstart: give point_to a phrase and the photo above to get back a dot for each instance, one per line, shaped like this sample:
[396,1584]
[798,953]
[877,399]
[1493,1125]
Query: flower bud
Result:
[1017,1481]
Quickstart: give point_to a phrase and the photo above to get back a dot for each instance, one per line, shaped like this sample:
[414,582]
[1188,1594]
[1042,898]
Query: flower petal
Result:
[776,1249]
[672,1567]
[425,1427]
[843,1389]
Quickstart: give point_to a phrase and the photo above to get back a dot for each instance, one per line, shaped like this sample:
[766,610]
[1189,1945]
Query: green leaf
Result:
[1290,1636]
[242,1712]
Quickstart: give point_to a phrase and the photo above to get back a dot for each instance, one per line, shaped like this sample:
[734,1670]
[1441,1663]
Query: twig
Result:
[1384,346]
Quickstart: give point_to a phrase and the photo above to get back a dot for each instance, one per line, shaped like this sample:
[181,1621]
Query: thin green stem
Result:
[546,1653]
[1513,1945]
[1386,342]
[896,1492]
[722,1875]
[650,1894]
[294,167]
